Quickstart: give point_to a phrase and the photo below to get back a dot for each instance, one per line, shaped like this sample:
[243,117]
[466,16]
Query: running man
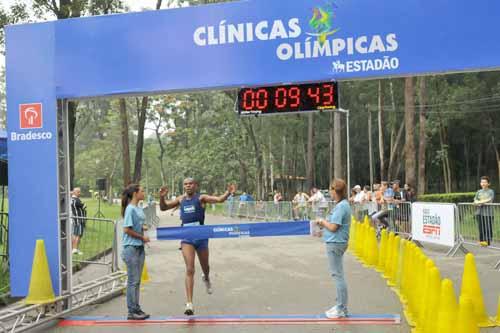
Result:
[192,213]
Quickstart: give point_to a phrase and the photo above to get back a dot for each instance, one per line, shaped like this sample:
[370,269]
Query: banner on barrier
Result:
[433,223]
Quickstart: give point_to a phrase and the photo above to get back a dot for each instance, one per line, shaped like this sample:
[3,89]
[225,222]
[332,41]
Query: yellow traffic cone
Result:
[448,309]
[374,248]
[366,220]
[382,253]
[498,312]
[40,290]
[389,255]
[466,323]
[431,311]
[145,276]
[471,288]
[394,262]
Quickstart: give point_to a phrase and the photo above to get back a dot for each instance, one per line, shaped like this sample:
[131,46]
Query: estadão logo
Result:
[30,115]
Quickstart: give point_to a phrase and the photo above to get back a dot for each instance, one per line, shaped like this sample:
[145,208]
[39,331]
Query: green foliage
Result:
[448,197]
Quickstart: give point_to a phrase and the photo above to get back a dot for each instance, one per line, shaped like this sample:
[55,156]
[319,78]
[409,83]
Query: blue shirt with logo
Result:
[134,218]
[340,215]
[192,212]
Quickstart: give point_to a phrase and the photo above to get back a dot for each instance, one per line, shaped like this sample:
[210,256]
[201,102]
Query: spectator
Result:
[400,214]
[244,197]
[484,213]
[79,212]
[133,247]
[299,205]
[277,197]
[336,237]
[409,193]
[360,195]
[380,218]
[368,193]
[352,196]
[318,203]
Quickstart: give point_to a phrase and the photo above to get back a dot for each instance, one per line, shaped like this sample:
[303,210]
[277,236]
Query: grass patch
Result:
[109,211]
[97,237]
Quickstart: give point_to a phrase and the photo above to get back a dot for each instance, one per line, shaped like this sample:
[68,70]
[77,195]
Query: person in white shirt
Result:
[318,202]
[360,195]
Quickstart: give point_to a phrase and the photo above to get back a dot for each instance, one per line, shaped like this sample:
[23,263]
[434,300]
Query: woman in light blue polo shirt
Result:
[133,247]
[336,236]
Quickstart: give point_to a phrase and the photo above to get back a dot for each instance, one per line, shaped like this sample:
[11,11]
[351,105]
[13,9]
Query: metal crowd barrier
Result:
[97,244]
[400,218]
[150,213]
[259,210]
[4,236]
[479,225]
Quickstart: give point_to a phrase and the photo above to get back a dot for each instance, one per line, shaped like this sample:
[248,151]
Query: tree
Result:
[410,165]
[422,99]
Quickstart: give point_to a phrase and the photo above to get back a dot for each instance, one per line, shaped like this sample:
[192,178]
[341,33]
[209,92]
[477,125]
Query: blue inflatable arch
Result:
[245,43]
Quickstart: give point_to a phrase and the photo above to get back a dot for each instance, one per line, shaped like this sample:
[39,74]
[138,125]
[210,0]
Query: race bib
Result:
[192,224]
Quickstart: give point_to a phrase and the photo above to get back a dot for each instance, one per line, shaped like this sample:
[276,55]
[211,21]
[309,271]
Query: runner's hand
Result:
[231,188]
[163,191]
[145,239]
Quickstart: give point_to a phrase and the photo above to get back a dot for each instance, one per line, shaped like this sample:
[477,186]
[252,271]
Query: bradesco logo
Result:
[30,117]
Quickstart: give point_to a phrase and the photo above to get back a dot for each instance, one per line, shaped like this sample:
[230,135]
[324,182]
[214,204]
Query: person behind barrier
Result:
[300,205]
[318,202]
[484,213]
[409,193]
[336,237]
[380,218]
[192,211]
[398,212]
[133,247]
[79,212]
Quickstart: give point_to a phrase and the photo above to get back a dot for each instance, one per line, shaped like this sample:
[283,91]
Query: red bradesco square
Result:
[30,115]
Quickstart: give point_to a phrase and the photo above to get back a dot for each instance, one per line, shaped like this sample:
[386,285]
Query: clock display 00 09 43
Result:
[288,99]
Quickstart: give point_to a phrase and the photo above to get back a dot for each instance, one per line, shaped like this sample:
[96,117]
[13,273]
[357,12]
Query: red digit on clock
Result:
[314,93]
[261,100]
[248,101]
[328,94]
[294,94]
[280,98]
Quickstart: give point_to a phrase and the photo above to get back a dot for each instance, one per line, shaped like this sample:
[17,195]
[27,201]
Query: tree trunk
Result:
[444,157]
[392,171]
[497,154]
[331,133]
[370,148]
[310,152]
[125,142]
[141,118]
[258,156]
[381,129]
[410,163]
[284,172]
[71,140]
[338,160]
[422,97]
[396,140]
[271,166]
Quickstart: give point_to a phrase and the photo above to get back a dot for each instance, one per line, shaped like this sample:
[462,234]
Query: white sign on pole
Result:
[433,223]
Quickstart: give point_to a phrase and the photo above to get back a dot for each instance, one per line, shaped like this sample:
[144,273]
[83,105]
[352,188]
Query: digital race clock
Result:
[288,99]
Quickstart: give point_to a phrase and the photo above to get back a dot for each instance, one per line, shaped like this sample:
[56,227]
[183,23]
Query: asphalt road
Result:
[270,276]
